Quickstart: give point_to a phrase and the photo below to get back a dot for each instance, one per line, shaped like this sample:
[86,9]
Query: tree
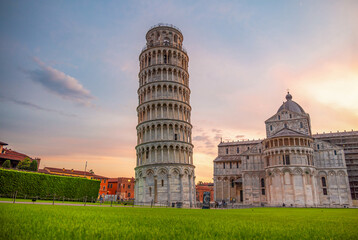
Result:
[33,166]
[6,164]
[91,171]
[24,164]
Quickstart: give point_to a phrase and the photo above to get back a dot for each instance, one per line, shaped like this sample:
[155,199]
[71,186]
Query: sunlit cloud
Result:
[60,83]
[35,106]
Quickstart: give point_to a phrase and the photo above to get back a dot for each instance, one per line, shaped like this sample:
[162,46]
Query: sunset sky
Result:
[69,73]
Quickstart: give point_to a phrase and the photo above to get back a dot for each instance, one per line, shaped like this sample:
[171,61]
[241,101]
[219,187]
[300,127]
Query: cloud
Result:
[201,138]
[36,107]
[239,136]
[60,83]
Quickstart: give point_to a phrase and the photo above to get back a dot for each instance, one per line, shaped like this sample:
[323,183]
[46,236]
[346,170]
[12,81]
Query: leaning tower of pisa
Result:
[164,169]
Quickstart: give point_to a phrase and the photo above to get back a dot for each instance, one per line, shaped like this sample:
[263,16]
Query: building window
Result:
[150,191]
[285,125]
[287,159]
[248,148]
[279,117]
[263,191]
[104,180]
[324,191]
[232,183]
[259,150]
[324,184]
[301,125]
[175,137]
[224,165]
[237,164]
[124,185]
[230,165]
[129,194]
[270,127]
[237,150]
[317,146]
[227,151]
[104,188]
[335,152]
[162,183]
[262,182]
[290,115]
[247,157]
[146,154]
[129,186]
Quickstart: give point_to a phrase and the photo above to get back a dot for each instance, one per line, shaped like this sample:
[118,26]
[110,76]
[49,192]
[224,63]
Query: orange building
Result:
[204,187]
[103,189]
[122,187]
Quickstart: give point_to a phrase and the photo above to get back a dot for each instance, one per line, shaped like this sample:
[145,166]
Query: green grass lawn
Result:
[65,201]
[21,221]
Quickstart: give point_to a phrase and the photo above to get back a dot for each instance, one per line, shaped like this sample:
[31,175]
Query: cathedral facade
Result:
[288,168]
[164,172]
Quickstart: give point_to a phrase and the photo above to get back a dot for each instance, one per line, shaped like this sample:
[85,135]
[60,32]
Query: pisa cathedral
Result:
[290,167]
[164,170]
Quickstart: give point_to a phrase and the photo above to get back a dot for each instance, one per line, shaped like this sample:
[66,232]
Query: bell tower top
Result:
[165,35]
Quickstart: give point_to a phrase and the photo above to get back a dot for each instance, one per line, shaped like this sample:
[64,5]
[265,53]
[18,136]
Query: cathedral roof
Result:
[287,132]
[227,158]
[291,105]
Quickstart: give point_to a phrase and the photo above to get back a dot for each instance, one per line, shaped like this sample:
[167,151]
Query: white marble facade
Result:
[164,170]
[288,168]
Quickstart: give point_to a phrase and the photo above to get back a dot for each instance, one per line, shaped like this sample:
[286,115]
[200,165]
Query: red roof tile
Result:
[12,155]
[69,171]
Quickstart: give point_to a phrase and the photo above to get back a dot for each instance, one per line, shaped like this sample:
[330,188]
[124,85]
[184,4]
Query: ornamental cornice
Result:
[163,100]
[167,143]
[162,65]
[162,121]
[163,82]
[161,47]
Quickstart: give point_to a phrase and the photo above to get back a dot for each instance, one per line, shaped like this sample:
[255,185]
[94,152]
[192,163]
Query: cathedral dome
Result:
[291,105]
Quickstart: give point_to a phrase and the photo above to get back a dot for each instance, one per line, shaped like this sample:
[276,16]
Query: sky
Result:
[69,73]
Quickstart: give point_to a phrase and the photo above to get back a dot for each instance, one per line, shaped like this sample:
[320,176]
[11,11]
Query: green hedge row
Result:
[44,185]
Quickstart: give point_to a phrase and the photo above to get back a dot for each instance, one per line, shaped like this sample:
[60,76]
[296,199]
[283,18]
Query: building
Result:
[348,140]
[103,188]
[120,188]
[290,167]
[14,157]
[204,187]
[164,170]
[112,186]
[70,173]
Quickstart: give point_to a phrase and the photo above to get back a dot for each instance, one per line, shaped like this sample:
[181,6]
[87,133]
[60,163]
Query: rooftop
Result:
[291,105]
[164,25]
[68,171]
[240,142]
[336,134]
[12,155]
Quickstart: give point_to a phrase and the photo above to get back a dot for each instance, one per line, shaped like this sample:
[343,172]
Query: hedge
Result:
[44,185]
